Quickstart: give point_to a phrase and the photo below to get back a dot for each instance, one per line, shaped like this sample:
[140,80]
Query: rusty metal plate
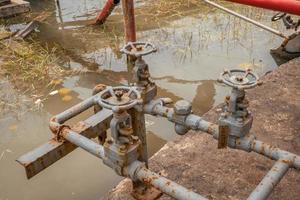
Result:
[42,157]
[223,136]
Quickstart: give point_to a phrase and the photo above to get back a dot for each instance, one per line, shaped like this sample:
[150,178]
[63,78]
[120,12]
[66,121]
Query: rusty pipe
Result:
[129,20]
[56,121]
[247,143]
[83,142]
[107,9]
[269,182]
[135,170]
[275,153]
[138,171]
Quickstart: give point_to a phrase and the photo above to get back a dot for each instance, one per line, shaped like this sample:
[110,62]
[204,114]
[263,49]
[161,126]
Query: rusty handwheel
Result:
[239,79]
[120,98]
[138,49]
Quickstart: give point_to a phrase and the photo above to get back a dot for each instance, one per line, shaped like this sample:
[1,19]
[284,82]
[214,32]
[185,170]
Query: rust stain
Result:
[211,128]
[80,127]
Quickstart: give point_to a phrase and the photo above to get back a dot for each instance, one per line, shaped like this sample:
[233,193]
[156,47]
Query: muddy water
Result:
[195,45]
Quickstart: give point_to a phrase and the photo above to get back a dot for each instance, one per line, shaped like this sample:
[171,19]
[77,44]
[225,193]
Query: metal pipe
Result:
[107,9]
[287,6]
[163,184]
[57,121]
[129,20]
[75,110]
[247,143]
[271,30]
[191,121]
[275,153]
[84,143]
[265,187]
[138,170]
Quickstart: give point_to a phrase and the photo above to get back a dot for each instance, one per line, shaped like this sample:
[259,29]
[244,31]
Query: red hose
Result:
[287,6]
[106,11]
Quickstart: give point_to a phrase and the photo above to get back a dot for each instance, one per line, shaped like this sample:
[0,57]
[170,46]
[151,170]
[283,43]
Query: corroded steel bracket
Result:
[42,157]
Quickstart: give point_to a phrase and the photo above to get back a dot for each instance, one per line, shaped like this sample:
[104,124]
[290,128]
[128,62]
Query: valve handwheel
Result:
[120,98]
[138,49]
[239,79]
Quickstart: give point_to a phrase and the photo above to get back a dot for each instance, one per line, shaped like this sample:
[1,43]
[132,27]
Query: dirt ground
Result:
[195,162]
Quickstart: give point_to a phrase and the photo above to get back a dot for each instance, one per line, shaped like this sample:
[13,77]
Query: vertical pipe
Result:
[130,32]
[75,110]
[129,20]
[265,187]
[139,128]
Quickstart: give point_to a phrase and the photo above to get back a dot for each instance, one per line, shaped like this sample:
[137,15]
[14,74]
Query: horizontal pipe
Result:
[265,187]
[275,153]
[286,6]
[84,143]
[271,30]
[247,143]
[57,121]
[191,121]
[75,110]
[163,184]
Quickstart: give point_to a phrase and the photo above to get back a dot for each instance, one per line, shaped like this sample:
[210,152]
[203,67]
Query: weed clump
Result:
[29,66]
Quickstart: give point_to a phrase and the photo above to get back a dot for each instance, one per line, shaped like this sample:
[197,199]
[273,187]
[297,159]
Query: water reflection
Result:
[195,45]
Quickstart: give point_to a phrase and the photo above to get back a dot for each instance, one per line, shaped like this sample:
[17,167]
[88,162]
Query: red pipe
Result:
[106,11]
[286,6]
[129,20]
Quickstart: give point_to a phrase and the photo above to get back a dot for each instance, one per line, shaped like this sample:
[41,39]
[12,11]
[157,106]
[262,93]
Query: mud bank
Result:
[195,162]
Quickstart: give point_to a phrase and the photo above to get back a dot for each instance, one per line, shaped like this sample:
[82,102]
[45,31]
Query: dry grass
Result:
[28,65]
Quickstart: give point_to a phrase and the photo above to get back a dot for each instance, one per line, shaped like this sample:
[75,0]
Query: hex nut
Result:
[183,107]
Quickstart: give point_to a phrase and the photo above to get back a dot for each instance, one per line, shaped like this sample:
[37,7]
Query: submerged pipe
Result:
[287,6]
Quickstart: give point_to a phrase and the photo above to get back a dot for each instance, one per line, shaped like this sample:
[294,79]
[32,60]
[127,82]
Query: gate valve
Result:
[235,120]
[119,99]
[142,76]
[239,79]
[138,49]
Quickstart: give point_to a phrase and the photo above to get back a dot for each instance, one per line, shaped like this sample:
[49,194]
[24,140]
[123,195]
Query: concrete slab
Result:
[195,162]
[14,8]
